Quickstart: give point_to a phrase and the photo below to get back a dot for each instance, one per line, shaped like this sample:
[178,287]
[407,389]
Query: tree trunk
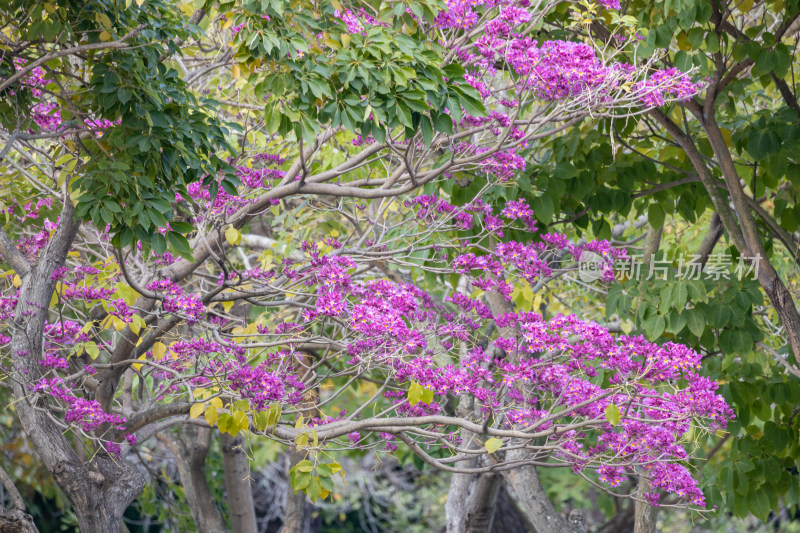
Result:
[645,514]
[298,507]
[101,489]
[190,450]
[472,511]
[16,521]
[237,484]
[524,485]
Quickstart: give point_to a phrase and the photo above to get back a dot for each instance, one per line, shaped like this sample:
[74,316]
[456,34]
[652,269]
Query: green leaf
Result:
[427,396]
[301,481]
[305,466]
[326,483]
[261,420]
[758,502]
[613,414]
[427,130]
[696,321]
[180,244]
[240,419]
[655,216]
[92,349]
[738,341]
[314,489]
[443,123]
[654,326]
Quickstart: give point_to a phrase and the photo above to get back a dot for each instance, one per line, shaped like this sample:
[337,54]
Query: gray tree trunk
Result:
[237,484]
[525,487]
[101,489]
[645,515]
[471,500]
[190,450]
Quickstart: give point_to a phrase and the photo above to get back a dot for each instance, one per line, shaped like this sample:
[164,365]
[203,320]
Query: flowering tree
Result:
[140,296]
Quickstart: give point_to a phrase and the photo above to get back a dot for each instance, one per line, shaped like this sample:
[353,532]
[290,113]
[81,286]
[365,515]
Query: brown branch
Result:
[13,493]
[11,254]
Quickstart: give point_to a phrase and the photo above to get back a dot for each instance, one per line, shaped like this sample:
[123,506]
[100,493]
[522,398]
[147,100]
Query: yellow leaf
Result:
[105,36]
[527,293]
[119,324]
[233,236]
[299,424]
[415,393]
[236,71]
[726,134]
[240,417]
[493,444]
[345,39]
[302,440]
[227,306]
[212,415]
[103,19]
[159,351]
[140,3]
[196,410]
[683,41]
[138,366]
[16,281]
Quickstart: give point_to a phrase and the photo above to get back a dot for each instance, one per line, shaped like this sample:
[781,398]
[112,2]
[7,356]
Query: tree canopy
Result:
[347,229]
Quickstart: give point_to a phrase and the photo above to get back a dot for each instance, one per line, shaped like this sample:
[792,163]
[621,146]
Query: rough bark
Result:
[16,521]
[470,506]
[237,484]
[101,489]
[645,515]
[526,489]
[190,450]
